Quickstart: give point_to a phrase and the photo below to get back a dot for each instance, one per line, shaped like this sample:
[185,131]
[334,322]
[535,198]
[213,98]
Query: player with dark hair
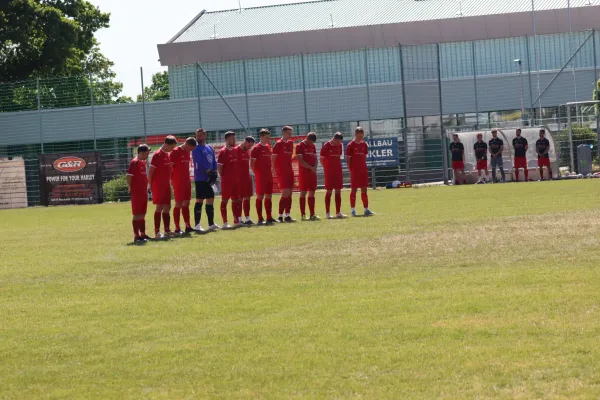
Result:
[542,148]
[481,149]
[331,159]
[356,159]
[306,152]
[205,175]
[244,179]
[182,187]
[229,190]
[496,146]
[137,180]
[521,146]
[457,150]
[160,184]
[262,167]
[281,160]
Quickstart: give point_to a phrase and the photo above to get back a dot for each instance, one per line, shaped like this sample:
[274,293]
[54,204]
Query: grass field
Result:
[469,291]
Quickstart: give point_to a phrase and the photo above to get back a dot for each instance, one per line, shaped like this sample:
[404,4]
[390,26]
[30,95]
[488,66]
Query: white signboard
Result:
[13,185]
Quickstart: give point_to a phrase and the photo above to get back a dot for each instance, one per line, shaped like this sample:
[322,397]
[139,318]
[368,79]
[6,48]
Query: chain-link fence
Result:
[408,99]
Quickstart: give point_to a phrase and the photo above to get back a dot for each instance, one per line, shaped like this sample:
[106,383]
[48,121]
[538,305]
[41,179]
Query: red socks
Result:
[338,203]
[517,175]
[156,222]
[302,205]
[327,202]
[136,228]
[269,208]
[259,208]
[185,211]
[176,217]
[282,205]
[311,205]
[166,217]
[353,199]
[224,212]
[365,199]
[247,208]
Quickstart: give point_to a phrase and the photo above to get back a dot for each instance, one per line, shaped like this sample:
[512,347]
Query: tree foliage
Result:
[159,89]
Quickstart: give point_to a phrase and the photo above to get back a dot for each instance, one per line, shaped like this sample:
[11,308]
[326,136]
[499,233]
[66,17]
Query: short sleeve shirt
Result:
[242,161]
[227,160]
[520,146]
[308,151]
[541,146]
[480,150]
[358,152]
[262,155]
[457,148]
[333,157]
[285,152]
[137,170]
[181,165]
[495,145]
[163,167]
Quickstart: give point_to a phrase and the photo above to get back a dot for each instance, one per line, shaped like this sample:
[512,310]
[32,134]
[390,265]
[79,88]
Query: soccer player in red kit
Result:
[307,158]
[137,180]
[182,185]
[260,161]
[281,160]
[229,189]
[160,184]
[244,179]
[356,159]
[331,159]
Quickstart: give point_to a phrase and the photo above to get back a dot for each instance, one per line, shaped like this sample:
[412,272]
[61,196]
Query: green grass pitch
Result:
[456,292]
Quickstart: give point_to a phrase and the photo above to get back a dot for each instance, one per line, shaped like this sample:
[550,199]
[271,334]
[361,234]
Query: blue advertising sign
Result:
[383,152]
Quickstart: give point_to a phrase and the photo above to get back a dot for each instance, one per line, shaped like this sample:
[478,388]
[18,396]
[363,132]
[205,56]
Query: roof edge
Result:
[185,28]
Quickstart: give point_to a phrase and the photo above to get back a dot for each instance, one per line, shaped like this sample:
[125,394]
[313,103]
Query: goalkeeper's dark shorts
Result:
[204,191]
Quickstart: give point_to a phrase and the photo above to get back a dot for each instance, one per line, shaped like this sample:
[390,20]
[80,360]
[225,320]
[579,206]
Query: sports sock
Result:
[166,217]
[365,199]
[210,214]
[302,205]
[269,208]
[542,173]
[177,217]
[247,207]
[352,199]
[502,173]
[136,229]
[288,207]
[517,175]
[198,212]
[224,212]
[185,212]
[259,208]
[234,210]
[494,175]
[338,202]
[142,226]
[311,205]
[156,222]
[282,204]
[327,203]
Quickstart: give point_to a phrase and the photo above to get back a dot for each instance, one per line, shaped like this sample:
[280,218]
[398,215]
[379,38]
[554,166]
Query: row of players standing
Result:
[170,167]
[496,150]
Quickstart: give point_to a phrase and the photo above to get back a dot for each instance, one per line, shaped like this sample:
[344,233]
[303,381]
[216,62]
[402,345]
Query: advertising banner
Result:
[13,184]
[74,178]
[383,151]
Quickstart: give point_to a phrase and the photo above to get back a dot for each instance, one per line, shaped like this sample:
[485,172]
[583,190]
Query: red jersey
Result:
[139,181]
[358,152]
[181,166]
[308,152]
[162,168]
[242,162]
[333,157]
[262,155]
[227,160]
[284,152]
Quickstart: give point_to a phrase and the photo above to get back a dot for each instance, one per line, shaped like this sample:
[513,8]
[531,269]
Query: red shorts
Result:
[161,194]
[264,185]
[139,203]
[308,180]
[334,181]
[229,189]
[520,162]
[285,179]
[543,162]
[245,187]
[481,165]
[458,165]
[182,191]
[359,179]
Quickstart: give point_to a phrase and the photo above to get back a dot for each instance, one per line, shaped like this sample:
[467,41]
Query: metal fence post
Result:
[246,94]
[93,111]
[304,91]
[596,86]
[39,105]
[570,128]
[199,95]
[143,104]
[373,172]
[531,112]
[442,131]
[405,113]
[475,86]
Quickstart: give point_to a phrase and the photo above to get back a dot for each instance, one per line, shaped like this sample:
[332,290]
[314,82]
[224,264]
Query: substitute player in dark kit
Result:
[521,146]
[137,180]
[542,147]
[496,146]
[457,149]
[481,149]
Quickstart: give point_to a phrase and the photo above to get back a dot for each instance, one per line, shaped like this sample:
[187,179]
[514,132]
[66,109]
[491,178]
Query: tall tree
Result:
[159,89]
